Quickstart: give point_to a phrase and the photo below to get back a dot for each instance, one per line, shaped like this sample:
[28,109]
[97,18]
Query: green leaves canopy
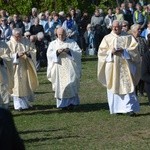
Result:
[24,7]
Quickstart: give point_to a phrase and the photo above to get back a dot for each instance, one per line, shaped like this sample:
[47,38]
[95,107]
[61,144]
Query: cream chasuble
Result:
[120,73]
[25,76]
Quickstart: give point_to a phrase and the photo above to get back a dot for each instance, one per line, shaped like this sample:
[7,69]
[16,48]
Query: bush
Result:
[24,7]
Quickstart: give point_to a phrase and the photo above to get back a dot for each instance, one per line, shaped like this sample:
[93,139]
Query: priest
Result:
[25,76]
[119,70]
[64,69]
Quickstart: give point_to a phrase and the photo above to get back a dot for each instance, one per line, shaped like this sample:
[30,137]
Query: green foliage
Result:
[105,4]
[19,7]
[24,7]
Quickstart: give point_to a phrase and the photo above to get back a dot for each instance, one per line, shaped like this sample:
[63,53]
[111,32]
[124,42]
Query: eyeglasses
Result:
[27,35]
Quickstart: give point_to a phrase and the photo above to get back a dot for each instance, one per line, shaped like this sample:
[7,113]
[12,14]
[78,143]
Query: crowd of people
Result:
[58,39]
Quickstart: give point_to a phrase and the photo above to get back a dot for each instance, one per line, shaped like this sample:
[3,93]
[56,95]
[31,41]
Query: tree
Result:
[24,7]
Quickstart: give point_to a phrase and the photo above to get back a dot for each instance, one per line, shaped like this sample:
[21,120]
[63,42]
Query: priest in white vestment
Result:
[25,76]
[119,70]
[64,69]
[6,78]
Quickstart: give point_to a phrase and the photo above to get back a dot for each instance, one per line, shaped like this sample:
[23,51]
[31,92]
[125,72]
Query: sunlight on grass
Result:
[88,127]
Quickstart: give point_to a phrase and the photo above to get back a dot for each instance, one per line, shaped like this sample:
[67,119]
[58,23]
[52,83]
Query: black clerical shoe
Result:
[64,108]
[131,114]
[68,108]
[19,109]
[119,114]
[71,107]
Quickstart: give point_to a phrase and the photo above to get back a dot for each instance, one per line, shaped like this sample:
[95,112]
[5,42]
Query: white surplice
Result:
[64,71]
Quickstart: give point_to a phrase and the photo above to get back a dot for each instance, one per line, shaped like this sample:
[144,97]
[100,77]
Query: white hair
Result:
[27,33]
[16,31]
[34,9]
[58,26]
[116,21]
[89,26]
[100,11]
[10,18]
[61,13]
[134,27]
[126,22]
[40,35]
[40,15]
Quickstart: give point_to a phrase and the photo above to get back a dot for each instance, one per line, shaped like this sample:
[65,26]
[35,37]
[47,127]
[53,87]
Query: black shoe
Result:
[131,114]
[64,108]
[20,109]
[119,114]
[68,108]
[71,107]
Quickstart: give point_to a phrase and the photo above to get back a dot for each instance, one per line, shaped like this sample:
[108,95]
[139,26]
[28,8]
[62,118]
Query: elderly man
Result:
[64,69]
[25,77]
[119,70]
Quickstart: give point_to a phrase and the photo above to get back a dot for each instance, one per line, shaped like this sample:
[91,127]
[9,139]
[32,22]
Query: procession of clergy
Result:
[119,70]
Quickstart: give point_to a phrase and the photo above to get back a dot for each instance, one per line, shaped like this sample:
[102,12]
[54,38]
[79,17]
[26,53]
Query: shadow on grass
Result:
[91,107]
[48,138]
[43,92]
[89,59]
[146,114]
[49,109]
[40,131]
[144,104]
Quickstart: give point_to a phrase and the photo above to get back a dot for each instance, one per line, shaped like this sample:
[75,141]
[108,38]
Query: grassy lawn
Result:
[89,126]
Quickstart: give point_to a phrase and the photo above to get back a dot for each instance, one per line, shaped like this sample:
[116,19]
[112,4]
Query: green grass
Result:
[88,127]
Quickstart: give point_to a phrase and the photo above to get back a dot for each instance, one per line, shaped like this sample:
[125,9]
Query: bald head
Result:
[61,34]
